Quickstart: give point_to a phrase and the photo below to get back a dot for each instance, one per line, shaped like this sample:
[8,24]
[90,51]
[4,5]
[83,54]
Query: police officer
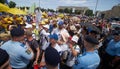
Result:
[112,56]
[20,54]
[90,58]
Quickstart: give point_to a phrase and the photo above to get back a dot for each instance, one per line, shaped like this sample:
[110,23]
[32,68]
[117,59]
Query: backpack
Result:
[42,37]
[65,55]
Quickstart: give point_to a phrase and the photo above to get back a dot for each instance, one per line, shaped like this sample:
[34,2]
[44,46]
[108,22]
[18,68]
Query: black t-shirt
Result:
[33,45]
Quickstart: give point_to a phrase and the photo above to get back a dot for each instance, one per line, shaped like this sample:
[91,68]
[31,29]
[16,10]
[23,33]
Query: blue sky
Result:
[53,4]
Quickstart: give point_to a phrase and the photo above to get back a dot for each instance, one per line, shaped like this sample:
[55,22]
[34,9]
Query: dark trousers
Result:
[116,65]
[64,66]
[20,68]
[106,62]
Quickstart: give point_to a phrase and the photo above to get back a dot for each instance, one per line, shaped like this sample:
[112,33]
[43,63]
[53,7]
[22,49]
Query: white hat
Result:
[28,26]
[94,23]
[73,28]
[46,26]
[75,38]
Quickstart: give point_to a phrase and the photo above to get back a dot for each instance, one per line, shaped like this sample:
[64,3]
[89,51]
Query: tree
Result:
[21,8]
[70,11]
[89,13]
[12,4]
[66,10]
[27,8]
[51,10]
[61,10]
[2,1]
[42,9]
[77,11]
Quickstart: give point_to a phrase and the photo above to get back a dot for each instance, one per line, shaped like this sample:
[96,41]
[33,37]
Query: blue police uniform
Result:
[88,60]
[19,54]
[113,48]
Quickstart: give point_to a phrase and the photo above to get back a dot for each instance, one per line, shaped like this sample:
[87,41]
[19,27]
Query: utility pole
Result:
[96,7]
[39,4]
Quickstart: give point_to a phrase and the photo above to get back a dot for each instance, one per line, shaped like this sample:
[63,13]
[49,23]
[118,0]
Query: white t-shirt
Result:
[45,39]
[58,48]
[71,59]
[63,33]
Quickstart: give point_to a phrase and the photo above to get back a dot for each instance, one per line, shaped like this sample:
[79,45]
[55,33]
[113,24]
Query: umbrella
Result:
[44,14]
[61,15]
[3,8]
[16,11]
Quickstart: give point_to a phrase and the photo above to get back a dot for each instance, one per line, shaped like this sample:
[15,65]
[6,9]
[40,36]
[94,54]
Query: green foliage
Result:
[70,11]
[12,4]
[61,10]
[2,1]
[66,10]
[78,11]
[51,10]
[89,12]
[42,9]
[21,8]
[27,8]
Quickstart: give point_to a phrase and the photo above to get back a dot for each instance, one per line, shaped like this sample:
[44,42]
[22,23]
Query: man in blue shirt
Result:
[20,54]
[90,58]
[112,56]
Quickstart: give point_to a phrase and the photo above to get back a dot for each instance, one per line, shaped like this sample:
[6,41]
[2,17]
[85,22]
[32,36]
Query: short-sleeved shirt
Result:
[71,59]
[113,48]
[89,60]
[44,39]
[58,48]
[33,44]
[18,52]
[57,31]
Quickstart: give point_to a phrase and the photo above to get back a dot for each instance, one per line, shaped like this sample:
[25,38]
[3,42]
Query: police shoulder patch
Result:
[28,51]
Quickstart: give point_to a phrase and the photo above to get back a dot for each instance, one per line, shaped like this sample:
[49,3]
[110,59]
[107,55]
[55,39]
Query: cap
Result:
[4,57]
[75,38]
[46,26]
[73,28]
[34,24]
[42,23]
[60,23]
[116,33]
[52,57]
[94,23]
[53,36]
[28,26]
[46,20]
[91,40]
[17,32]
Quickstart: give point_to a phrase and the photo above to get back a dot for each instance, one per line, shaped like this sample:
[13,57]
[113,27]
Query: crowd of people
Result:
[58,42]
